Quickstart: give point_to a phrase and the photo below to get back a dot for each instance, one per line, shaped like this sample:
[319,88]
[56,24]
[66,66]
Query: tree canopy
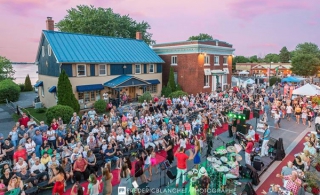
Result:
[103,21]
[272,57]
[306,59]
[284,55]
[6,69]
[65,94]
[201,36]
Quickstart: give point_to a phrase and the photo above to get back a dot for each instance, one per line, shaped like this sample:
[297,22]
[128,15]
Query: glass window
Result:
[49,50]
[138,69]
[151,68]
[173,60]
[175,76]
[225,62]
[102,69]
[81,70]
[151,89]
[42,51]
[207,60]
[93,95]
[206,80]
[216,60]
[86,97]
[42,91]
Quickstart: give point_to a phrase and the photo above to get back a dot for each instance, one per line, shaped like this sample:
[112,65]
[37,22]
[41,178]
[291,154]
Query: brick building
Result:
[263,68]
[199,66]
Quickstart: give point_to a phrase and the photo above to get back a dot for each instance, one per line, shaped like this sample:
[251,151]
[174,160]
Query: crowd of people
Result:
[52,154]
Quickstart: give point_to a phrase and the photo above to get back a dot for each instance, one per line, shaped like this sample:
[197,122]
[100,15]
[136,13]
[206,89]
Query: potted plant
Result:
[312,183]
[316,163]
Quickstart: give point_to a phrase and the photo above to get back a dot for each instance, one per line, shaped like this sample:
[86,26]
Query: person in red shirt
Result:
[24,120]
[20,153]
[54,124]
[248,150]
[182,165]
[155,99]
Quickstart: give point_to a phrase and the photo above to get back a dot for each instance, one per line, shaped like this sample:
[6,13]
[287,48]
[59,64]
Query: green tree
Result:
[240,59]
[201,36]
[305,64]
[171,82]
[284,55]
[308,48]
[27,84]
[253,59]
[65,93]
[103,21]
[272,57]
[100,106]
[6,69]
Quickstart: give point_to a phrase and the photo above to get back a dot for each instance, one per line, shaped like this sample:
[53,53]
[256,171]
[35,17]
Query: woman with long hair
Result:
[106,180]
[205,126]
[14,183]
[197,157]
[125,178]
[138,168]
[94,185]
[67,167]
[297,111]
[58,180]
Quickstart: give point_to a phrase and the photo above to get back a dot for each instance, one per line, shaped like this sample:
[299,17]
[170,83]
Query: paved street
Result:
[6,121]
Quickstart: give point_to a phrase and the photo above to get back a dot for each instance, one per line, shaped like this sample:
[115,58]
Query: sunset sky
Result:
[254,27]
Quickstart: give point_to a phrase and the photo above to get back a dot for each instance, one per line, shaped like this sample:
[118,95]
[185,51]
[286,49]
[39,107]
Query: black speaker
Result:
[256,113]
[172,173]
[257,163]
[246,113]
[272,142]
[243,128]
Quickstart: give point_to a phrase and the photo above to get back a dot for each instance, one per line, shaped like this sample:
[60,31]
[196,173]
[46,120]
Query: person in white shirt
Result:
[169,112]
[120,137]
[251,133]
[52,137]
[91,135]
[92,113]
[148,140]
[105,96]
[21,163]
[289,110]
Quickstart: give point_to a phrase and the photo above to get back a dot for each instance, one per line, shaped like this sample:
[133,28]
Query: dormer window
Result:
[49,50]
[42,51]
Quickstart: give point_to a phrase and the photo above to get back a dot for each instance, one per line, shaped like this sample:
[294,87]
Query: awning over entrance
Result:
[125,81]
[217,72]
[95,87]
[53,89]
[38,84]
[153,81]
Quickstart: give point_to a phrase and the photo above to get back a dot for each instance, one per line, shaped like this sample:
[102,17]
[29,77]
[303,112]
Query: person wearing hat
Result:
[202,183]
[248,150]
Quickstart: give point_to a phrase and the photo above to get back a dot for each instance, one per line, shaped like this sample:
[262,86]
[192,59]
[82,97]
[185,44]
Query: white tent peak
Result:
[307,89]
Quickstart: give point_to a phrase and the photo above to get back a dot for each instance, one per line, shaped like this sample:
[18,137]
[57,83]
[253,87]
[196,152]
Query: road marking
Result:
[285,130]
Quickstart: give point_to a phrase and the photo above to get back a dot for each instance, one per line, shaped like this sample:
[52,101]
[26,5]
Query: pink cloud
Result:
[249,9]
[22,7]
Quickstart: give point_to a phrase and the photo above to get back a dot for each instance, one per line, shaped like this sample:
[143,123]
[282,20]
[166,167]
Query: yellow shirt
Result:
[298,110]
[44,161]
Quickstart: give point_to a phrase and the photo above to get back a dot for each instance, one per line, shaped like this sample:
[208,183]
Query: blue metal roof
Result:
[95,87]
[53,89]
[123,79]
[153,81]
[38,84]
[82,48]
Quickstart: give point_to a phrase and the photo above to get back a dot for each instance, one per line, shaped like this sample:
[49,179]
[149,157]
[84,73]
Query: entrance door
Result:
[132,92]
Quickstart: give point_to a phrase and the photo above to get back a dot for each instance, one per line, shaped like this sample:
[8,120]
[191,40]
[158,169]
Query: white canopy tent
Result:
[243,72]
[250,81]
[307,89]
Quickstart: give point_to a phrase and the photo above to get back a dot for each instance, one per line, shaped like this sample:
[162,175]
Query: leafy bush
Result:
[21,85]
[179,88]
[40,110]
[9,90]
[166,90]
[177,94]
[100,106]
[273,80]
[65,112]
[27,84]
[146,96]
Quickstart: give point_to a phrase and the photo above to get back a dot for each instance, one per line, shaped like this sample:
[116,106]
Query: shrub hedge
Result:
[177,94]
[100,106]
[9,90]
[65,112]
[146,96]
[273,80]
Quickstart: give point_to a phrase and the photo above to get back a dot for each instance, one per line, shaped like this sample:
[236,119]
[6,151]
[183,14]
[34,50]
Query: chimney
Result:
[50,23]
[139,35]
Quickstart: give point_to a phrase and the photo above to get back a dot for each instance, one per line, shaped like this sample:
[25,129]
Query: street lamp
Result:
[269,73]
